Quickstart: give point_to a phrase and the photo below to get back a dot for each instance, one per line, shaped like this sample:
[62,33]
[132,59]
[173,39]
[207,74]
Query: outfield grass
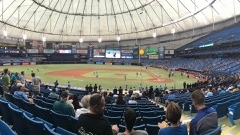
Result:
[109,75]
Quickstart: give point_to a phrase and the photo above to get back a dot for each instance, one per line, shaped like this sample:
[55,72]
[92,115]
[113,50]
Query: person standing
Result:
[5,81]
[36,82]
[22,78]
[69,85]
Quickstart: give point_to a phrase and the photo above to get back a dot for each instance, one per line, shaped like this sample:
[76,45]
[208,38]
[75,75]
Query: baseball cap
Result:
[64,94]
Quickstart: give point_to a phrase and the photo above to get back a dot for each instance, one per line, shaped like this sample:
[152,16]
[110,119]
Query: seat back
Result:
[5,129]
[9,97]
[216,131]
[29,107]
[17,116]
[113,120]
[152,120]
[43,113]
[33,126]
[6,115]
[18,102]
[222,109]
[62,131]
[152,129]
[60,120]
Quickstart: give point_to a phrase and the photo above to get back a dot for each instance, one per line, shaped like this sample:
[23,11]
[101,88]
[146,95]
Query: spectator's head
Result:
[173,113]
[5,71]
[22,73]
[33,74]
[64,95]
[54,90]
[97,104]
[197,99]
[85,101]
[129,118]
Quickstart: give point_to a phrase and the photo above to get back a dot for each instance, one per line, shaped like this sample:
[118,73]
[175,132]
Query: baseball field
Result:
[108,76]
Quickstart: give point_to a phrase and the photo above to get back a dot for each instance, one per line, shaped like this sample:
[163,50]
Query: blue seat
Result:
[33,126]
[60,120]
[43,113]
[216,131]
[115,113]
[38,101]
[56,131]
[152,120]
[73,124]
[145,109]
[222,109]
[17,116]
[234,112]
[139,127]
[29,107]
[152,129]
[6,115]
[47,105]
[148,113]
[113,120]
[5,129]
[18,102]
[9,97]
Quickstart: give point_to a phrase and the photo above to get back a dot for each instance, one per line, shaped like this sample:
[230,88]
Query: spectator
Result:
[74,101]
[62,106]
[22,78]
[120,100]
[93,122]
[85,106]
[21,93]
[69,85]
[132,101]
[206,118]
[208,93]
[129,121]
[56,84]
[5,81]
[53,94]
[173,115]
[36,81]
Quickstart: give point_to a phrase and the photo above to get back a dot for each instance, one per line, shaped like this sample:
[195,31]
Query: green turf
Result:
[107,78]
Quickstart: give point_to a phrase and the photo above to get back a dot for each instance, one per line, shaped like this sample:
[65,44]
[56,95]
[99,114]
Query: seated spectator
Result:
[120,100]
[129,121]
[206,118]
[107,97]
[137,96]
[173,115]
[93,122]
[132,101]
[15,87]
[53,94]
[21,93]
[73,99]
[235,89]
[85,106]
[208,93]
[62,106]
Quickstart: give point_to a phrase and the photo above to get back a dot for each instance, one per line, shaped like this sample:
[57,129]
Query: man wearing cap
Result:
[62,106]
[93,123]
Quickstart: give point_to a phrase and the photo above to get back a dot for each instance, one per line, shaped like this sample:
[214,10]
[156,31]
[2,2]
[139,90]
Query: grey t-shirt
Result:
[136,132]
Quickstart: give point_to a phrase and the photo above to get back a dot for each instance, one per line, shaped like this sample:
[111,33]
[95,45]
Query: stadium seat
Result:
[60,120]
[234,112]
[152,129]
[152,120]
[18,102]
[113,120]
[29,107]
[9,97]
[73,124]
[17,116]
[38,101]
[139,127]
[6,115]
[222,109]
[43,113]
[56,131]
[216,131]
[33,126]
[5,129]
[115,113]
[47,105]
[148,113]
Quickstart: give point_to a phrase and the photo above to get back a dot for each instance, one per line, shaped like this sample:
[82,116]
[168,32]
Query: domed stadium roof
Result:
[68,20]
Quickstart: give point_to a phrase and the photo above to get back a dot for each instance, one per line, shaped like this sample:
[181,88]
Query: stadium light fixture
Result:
[80,40]
[154,34]
[118,38]
[5,33]
[99,40]
[44,39]
[173,30]
[24,36]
